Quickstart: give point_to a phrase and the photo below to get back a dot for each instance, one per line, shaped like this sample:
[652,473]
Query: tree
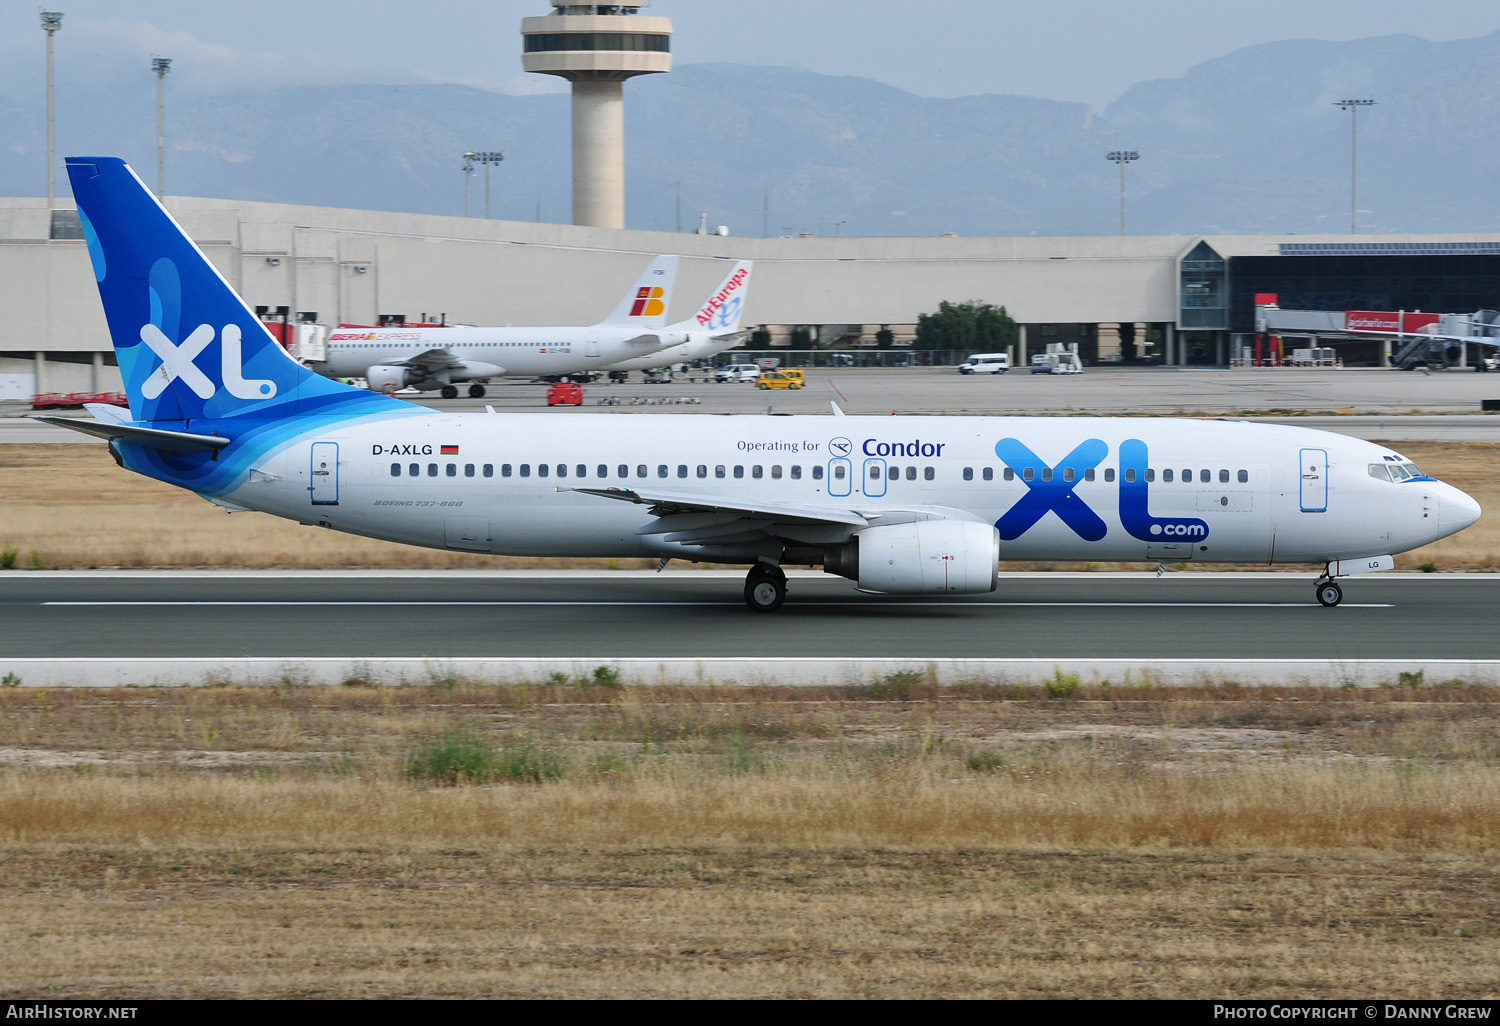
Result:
[801,337]
[760,338]
[885,337]
[971,327]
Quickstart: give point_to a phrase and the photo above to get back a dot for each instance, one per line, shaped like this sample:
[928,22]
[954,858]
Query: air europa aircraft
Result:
[714,328]
[433,359]
[913,505]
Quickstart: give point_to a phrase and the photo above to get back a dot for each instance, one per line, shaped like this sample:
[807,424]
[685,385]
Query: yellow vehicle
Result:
[780,379]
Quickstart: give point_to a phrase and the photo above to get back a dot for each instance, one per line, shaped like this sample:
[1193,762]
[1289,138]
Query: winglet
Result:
[836,411]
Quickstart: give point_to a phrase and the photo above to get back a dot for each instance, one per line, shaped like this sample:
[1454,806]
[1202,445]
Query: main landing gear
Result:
[450,392]
[765,588]
[476,391]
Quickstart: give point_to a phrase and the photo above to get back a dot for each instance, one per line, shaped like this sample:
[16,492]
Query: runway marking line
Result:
[951,603]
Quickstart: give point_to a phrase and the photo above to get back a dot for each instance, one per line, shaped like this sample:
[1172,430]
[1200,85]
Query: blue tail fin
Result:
[188,346]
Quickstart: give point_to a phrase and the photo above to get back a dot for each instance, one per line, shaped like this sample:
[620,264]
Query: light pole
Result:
[468,167]
[1352,106]
[487,158]
[51,22]
[160,65]
[1122,157]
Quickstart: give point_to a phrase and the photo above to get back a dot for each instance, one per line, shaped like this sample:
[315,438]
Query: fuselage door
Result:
[325,474]
[874,482]
[591,344]
[1314,484]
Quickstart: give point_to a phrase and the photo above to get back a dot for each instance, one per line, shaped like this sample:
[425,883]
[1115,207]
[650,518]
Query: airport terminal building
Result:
[1173,300]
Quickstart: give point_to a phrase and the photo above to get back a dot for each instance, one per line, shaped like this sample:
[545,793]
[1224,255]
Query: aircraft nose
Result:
[1456,510]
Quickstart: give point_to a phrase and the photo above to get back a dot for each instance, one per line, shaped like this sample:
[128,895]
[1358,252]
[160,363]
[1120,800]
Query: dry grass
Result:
[893,841]
[69,506]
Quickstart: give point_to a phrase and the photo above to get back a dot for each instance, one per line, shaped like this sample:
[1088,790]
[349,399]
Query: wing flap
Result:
[667,503]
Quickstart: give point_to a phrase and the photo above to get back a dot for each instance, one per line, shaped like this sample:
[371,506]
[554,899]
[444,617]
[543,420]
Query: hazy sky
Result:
[1087,50]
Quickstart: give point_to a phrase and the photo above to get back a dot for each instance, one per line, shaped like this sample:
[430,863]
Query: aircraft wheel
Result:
[1330,594]
[450,392]
[765,588]
[476,391]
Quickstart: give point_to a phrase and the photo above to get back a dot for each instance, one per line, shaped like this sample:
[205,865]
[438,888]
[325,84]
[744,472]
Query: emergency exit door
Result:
[325,474]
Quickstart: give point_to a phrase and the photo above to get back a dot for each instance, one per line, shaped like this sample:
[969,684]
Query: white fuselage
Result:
[1238,492]
[492,352]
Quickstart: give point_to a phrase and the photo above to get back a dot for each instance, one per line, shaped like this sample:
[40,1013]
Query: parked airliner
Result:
[901,505]
[429,359]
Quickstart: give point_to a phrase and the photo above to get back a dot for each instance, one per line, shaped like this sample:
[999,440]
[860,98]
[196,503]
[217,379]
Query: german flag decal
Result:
[450,450]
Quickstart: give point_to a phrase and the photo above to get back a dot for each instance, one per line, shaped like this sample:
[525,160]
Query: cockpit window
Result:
[1412,469]
[1379,472]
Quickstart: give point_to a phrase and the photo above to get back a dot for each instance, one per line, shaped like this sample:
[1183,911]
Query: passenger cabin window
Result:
[1150,474]
[719,470]
[489,470]
[453,470]
[395,470]
[505,470]
[776,471]
[928,473]
[1244,477]
[989,473]
[1068,473]
[1088,475]
[1046,473]
[562,470]
[583,471]
[702,470]
[739,470]
[468,470]
[432,470]
[640,471]
[1029,474]
[682,470]
[1129,475]
[968,473]
[541,470]
[1205,476]
[526,470]
[1223,477]
[661,470]
[1166,475]
[797,473]
[603,471]
[414,470]
[757,471]
[1109,474]
[818,473]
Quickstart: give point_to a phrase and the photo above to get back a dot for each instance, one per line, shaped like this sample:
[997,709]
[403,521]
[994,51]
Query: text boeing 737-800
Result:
[917,505]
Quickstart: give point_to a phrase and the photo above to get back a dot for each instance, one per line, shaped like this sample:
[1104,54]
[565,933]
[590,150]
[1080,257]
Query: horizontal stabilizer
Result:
[155,438]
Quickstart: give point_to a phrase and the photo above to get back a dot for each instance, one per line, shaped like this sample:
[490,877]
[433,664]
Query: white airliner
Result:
[431,359]
[901,505]
[713,329]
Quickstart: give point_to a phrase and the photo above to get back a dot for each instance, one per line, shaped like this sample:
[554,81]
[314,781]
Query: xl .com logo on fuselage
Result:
[1049,489]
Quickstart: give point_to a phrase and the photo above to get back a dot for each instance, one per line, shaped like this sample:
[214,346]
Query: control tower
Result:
[597,47]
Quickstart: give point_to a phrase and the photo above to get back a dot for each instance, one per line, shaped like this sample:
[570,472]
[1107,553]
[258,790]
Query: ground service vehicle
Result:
[985,363]
[737,372]
[778,379]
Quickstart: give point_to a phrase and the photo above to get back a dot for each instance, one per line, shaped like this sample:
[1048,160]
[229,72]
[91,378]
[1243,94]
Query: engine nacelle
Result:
[930,557]
[389,379]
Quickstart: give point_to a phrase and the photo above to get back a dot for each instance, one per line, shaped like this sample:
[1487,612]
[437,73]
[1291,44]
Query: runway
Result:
[682,619]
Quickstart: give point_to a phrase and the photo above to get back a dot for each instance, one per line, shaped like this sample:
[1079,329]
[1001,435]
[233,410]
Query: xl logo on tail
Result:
[178,363]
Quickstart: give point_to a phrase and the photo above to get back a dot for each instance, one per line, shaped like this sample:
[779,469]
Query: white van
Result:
[985,363]
[737,372]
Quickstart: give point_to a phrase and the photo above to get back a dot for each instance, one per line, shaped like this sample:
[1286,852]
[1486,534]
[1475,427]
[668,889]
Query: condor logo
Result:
[648,301]
[1050,490]
[178,362]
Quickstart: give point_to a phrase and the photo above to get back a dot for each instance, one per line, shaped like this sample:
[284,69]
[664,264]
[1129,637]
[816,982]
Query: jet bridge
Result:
[1412,338]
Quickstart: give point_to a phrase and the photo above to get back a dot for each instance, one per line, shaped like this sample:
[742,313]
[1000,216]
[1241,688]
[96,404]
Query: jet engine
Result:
[387,379]
[930,557]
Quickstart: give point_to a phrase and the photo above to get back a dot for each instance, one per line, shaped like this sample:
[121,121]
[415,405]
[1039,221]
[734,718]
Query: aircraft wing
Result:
[665,504]
[432,360]
[694,525]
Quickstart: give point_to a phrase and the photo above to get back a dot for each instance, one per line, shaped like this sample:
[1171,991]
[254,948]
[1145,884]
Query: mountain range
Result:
[1251,142]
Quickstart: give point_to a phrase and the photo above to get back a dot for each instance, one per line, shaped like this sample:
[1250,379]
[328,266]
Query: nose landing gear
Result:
[765,588]
[1329,592]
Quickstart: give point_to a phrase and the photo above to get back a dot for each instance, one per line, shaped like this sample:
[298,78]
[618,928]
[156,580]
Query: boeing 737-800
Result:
[431,359]
[901,505]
